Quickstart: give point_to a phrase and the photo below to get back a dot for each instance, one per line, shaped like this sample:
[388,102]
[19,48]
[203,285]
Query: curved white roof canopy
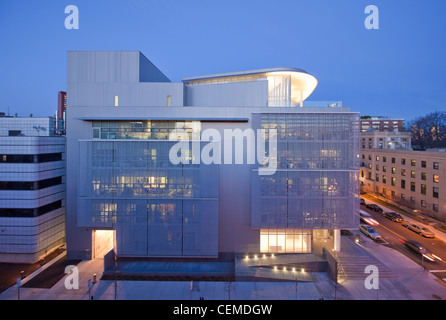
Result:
[302,84]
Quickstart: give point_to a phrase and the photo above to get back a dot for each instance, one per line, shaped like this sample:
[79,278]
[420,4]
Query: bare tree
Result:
[429,131]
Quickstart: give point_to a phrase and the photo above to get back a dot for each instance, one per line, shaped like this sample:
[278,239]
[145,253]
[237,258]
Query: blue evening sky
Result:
[396,71]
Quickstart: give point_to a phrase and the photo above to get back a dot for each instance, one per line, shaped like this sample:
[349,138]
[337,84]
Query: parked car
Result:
[394,216]
[420,249]
[374,207]
[423,231]
[366,218]
[370,232]
[362,202]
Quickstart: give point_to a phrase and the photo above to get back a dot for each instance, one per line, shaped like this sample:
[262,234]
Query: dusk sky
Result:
[398,70]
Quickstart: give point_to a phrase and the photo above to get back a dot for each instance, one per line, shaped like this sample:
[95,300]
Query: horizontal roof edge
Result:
[244,73]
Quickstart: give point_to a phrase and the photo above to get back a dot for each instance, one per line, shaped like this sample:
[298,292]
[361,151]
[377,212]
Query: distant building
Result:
[61,104]
[386,140]
[32,188]
[415,179]
[381,124]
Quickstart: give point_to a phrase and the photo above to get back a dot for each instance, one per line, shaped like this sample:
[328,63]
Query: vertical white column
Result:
[337,240]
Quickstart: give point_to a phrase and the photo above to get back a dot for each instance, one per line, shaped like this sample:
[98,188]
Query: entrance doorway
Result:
[103,241]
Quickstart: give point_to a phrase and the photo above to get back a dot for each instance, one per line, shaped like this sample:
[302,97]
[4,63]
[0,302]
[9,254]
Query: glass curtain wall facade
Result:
[315,184]
[157,208]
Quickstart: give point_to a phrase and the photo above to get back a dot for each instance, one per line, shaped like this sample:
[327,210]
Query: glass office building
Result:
[125,193]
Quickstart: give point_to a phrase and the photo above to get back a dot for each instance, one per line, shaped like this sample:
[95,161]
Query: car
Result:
[423,231]
[420,249]
[366,218]
[374,207]
[394,216]
[370,232]
[362,202]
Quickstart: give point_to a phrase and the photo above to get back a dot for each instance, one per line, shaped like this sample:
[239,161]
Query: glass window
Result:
[435,207]
[403,161]
[435,192]
[412,186]
[413,163]
[403,184]
[423,203]
[423,189]
[403,172]
[436,178]
[285,240]
[393,181]
[393,170]
[423,175]
[436,166]
[96,133]
[412,174]
[423,164]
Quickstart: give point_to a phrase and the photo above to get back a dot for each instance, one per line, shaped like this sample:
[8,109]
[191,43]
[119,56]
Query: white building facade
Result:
[32,189]
[124,191]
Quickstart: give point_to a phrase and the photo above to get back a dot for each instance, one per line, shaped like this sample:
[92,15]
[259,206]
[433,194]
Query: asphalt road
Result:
[392,233]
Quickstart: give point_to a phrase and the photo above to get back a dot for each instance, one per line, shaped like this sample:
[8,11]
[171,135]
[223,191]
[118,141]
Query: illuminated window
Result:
[285,240]
[436,178]
[116,101]
[423,189]
[169,101]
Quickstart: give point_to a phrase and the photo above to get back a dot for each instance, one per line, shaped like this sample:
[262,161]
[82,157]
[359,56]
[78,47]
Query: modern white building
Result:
[125,192]
[32,189]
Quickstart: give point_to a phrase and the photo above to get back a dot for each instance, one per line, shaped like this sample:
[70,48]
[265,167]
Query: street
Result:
[392,233]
